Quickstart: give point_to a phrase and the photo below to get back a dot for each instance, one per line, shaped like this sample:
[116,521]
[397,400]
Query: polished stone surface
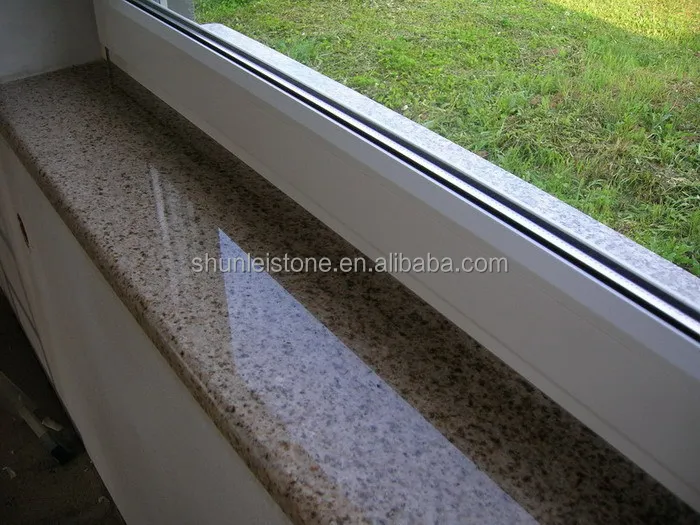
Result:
[349,398]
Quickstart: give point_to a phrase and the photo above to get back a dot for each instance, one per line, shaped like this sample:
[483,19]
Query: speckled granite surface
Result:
[348,397]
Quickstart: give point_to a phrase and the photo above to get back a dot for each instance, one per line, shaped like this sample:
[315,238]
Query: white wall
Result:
[43,35]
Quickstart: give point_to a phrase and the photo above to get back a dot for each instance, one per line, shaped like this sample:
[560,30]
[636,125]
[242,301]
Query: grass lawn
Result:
[594,101]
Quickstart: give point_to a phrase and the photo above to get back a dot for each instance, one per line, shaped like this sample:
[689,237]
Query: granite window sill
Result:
[347,396]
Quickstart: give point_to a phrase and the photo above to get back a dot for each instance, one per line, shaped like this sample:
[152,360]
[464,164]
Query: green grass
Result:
[595,101]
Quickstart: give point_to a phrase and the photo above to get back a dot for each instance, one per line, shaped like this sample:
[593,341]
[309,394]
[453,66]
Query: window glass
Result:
[593,101]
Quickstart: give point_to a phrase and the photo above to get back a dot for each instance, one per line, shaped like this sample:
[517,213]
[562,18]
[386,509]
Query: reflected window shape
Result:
[344,415]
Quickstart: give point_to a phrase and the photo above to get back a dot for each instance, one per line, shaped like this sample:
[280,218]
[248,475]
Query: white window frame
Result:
[619,358]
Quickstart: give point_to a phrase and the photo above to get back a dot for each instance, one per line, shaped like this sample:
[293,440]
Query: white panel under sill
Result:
[12,250]
[637,387]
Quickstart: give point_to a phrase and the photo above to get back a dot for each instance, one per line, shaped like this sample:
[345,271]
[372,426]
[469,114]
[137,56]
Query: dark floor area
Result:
[34,488]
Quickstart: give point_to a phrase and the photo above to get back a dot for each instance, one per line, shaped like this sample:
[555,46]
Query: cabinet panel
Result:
[18,282]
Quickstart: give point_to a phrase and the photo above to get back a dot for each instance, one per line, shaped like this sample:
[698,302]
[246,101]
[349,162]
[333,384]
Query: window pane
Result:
[595,102]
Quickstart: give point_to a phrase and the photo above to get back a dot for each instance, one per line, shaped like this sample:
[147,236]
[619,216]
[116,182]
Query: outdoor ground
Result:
[594,101]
